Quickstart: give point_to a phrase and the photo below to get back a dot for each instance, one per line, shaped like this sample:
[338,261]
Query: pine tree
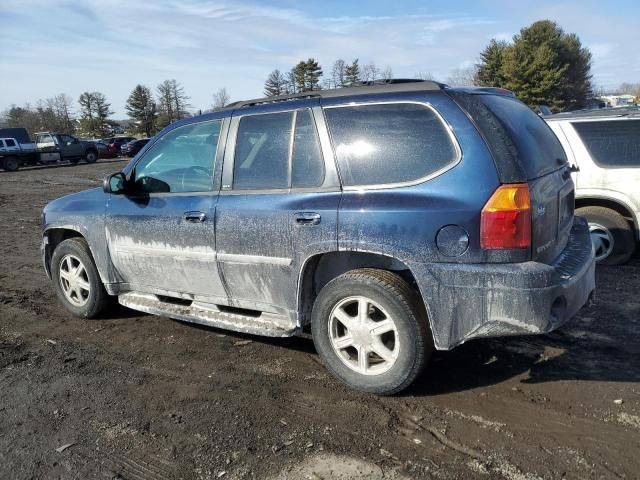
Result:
[276,84]
[312,74]
[352,73]
[543,66]
[94,114]
[489,72]
[142,110]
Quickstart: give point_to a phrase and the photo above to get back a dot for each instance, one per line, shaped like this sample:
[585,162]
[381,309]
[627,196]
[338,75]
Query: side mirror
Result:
[115,183]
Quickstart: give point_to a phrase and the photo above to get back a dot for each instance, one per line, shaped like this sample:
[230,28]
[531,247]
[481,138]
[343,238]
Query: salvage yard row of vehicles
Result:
[388,220]
[17,149]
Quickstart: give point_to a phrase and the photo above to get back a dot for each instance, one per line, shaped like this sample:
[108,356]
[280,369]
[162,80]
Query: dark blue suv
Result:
[388,219]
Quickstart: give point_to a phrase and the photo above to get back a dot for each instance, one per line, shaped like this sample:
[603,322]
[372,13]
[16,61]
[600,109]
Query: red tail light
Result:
[506,218]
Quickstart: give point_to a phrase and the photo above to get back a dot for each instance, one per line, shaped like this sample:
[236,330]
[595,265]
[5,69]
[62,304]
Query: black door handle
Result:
[307,218]
[194,217]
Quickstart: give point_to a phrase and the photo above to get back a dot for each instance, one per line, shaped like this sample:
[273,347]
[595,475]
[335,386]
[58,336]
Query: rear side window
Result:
[262,152]
[307,168]
[538,147]
[10,142]
[389,143]
[613,143]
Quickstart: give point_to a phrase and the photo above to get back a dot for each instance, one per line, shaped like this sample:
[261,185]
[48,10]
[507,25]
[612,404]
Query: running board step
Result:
[267,324]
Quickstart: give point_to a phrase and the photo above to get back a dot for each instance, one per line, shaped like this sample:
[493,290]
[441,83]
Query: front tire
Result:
[76,279]
[11,164]
[371,331]
[611,235]
[91,156]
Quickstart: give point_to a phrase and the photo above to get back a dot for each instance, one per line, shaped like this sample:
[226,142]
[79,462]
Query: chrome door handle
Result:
[307,218]
[195,217]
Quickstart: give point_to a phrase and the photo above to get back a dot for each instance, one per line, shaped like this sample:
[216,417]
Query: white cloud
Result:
[111,45]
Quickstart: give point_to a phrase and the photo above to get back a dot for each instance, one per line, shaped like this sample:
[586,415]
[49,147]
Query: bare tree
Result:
[370,72]
[424,76]
[172,102]
[338,74]
[463,77]
[220,99]
[387,74]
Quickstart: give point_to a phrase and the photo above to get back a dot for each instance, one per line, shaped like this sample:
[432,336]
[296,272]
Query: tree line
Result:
[307,75]
[542,65]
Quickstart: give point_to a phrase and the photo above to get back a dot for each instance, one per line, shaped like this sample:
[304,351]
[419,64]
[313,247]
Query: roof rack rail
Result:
[596,112]
[362,88]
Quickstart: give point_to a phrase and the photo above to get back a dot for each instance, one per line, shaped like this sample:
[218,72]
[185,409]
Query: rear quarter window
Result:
[538,147]
[389,143]
[611,143]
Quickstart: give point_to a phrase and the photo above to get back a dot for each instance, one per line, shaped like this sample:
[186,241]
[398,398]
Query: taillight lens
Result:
[506,218]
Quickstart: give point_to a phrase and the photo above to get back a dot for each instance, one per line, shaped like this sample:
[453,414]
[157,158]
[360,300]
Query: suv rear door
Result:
[278,204]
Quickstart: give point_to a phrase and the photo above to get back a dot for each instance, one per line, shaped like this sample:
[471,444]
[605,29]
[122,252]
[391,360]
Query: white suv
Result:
[605,145]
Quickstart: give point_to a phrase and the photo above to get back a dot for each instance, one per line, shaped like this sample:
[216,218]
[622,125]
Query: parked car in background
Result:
[387,220]
[114,143]
[49,148]
[130,149]
[104,151]
[605,146]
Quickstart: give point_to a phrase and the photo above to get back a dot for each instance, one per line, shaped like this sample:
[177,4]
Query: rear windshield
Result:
[538,148]
[614,143]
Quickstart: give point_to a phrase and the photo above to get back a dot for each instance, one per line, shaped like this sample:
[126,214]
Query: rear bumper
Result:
[493,300]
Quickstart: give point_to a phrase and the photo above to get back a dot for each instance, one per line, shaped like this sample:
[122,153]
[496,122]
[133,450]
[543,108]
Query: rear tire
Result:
[11,164]
[611,234]
[82,294]
[91,156]
[392,359]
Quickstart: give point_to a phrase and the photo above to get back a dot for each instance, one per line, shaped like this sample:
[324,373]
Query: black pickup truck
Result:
[17,149]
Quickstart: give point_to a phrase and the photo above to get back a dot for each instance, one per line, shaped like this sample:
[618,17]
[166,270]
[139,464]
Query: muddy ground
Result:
[143,397]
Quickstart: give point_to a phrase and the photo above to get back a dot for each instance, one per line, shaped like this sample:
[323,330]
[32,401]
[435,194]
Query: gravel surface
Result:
[133,396]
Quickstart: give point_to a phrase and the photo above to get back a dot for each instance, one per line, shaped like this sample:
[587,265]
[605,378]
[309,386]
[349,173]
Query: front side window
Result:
[181,161]
[388,143]
[262,152]
[614,143]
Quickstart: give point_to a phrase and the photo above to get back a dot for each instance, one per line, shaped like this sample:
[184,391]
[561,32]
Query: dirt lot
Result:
[142,397]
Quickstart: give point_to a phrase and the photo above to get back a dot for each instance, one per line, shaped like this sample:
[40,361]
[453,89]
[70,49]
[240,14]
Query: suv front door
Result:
[161,235]
[278,204]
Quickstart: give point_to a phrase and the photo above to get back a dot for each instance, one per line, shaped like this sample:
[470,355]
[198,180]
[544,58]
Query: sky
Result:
[49,47]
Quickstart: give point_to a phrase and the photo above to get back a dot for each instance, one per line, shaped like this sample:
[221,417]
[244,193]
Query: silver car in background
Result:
[605,146]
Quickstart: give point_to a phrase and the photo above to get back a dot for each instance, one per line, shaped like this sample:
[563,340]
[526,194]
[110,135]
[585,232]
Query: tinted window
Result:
[378,144]
[538,147]
[307,164]
[10,142]
[612,144]
[181,161]
[262,151]
[66,138]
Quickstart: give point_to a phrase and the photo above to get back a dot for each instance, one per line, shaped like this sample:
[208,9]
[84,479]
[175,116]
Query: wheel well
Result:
[612,205]
[321,269]
[57,236]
